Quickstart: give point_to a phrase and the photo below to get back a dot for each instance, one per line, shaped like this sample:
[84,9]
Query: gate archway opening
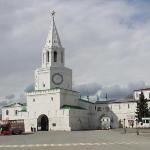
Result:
[42,123]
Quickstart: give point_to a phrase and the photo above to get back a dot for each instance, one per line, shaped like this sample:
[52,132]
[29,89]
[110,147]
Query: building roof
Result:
[86,101]
[116,101]
[71,107]
[145,89]
[13,104]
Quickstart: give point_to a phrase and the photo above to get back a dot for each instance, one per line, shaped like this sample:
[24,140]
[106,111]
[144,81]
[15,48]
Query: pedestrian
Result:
[132,124]
[31,129]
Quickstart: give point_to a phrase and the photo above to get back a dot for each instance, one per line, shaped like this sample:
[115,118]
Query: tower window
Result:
[55,56]
[16,112]
[43,58]
[62,57]
[99,109]
[43,84]
[47,56]
[54,124]
[128,106]
[119,107]
[7,112]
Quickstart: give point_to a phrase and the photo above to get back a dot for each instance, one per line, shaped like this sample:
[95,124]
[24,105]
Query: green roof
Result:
[24,109]
[13,104]
[71,107]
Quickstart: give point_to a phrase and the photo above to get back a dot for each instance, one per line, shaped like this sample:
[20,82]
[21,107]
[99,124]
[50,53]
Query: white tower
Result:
[53,74]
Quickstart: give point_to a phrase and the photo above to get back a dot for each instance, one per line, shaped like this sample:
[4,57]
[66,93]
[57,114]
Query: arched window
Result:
[47,56]
[16,112]
[55,56]
[43,84]
[7,112]
[43,58]
[128,106]
[62,57]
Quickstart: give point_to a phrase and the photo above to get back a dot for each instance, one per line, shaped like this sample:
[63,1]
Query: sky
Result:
[107,43]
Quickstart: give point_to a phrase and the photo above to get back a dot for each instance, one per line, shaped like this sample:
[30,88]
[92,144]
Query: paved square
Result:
[95,140]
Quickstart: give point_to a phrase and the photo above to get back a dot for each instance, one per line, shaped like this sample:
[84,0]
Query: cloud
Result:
[88,89]
[106,42]
[3,103]
[10,97]
[113,92]
[29,88]
[117,91]
[21,98]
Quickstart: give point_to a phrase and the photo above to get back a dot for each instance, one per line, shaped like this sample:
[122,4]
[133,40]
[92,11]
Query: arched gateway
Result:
[42,123]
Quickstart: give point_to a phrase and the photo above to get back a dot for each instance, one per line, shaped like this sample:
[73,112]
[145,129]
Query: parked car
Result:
[16,131]
[146,122]
[12,127]
[4,130]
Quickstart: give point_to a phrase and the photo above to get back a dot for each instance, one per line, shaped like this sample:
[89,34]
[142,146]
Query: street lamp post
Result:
[124,125]
[137,130]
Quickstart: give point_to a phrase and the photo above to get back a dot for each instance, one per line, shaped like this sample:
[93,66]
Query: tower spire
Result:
[53,39]
[53,52]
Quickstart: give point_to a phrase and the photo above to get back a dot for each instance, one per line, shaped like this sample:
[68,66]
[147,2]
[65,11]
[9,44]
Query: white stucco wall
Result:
[12,112]
[125,111]
[43,101]
[116,112]
[78,119]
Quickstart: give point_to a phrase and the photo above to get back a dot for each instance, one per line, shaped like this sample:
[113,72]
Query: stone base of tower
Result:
[59,122]
[64,120]
[57,109]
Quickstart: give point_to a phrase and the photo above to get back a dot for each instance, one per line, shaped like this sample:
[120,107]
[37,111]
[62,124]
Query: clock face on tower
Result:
[57,78]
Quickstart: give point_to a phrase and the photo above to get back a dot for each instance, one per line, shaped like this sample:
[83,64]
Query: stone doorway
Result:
[42,123]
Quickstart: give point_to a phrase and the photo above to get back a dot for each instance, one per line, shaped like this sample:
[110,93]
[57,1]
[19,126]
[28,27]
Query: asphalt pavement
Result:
[78,140]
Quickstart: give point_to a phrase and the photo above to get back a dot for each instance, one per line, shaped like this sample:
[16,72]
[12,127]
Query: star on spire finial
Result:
[53,13]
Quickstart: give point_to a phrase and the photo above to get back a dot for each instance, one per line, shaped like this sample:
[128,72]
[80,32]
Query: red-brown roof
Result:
[145,89]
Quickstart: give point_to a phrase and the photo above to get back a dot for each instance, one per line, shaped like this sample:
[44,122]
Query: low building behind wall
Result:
[121,112]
